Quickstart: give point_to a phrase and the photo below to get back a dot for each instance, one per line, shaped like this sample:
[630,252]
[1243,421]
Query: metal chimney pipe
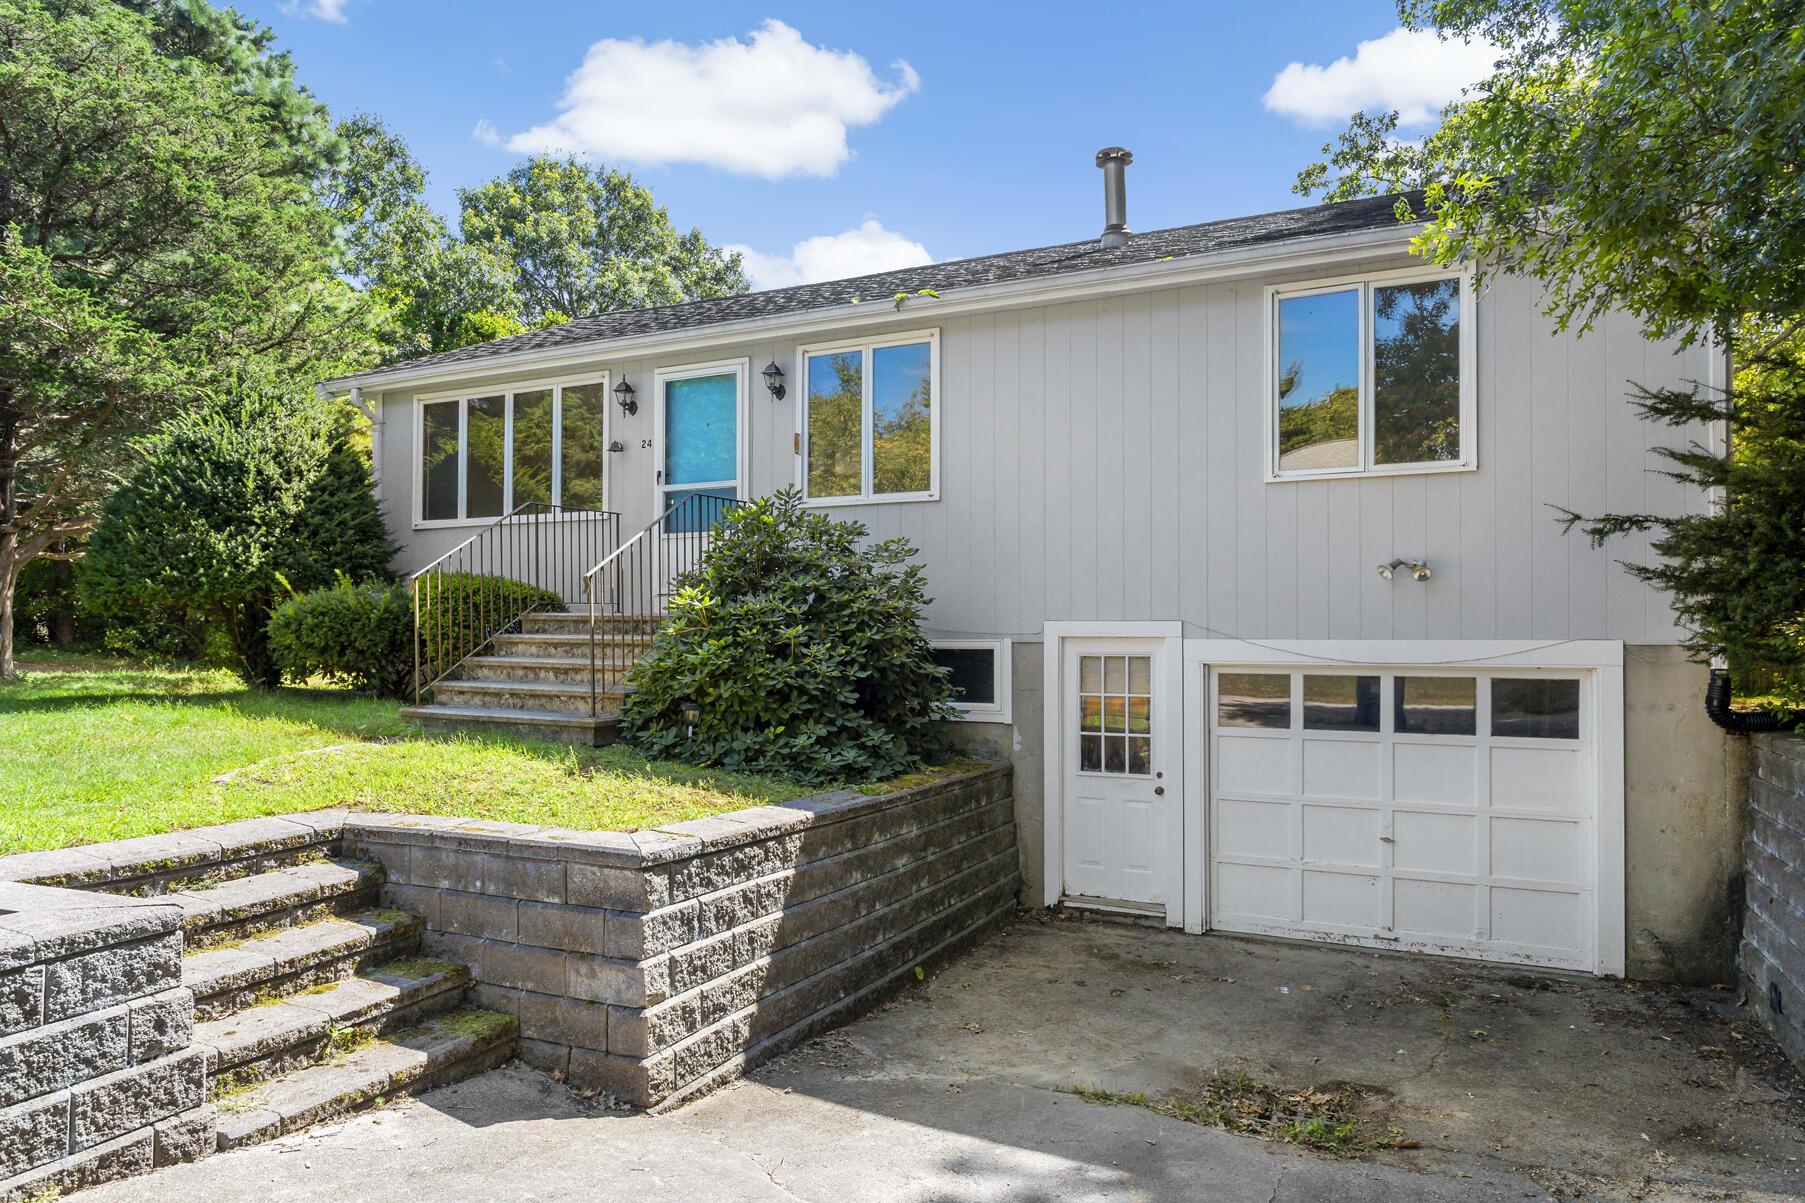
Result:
[1114,161]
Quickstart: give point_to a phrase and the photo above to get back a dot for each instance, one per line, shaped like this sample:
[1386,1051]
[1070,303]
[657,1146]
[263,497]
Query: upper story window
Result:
[1371,376]
[868,426]
[484,456]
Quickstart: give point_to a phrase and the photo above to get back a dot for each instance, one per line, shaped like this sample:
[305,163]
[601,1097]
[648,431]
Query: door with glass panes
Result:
[701,458]
[1117,746]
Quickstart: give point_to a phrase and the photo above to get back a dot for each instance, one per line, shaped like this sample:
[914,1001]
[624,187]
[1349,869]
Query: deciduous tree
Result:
[1647,157]
[585,240]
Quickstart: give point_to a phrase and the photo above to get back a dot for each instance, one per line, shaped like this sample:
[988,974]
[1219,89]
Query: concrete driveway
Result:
[1445,1081]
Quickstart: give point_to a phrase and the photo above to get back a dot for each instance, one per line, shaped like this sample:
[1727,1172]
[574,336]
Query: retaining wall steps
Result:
[247,907]
[329,1011]
[434,1053]
[258,991]
[293,959]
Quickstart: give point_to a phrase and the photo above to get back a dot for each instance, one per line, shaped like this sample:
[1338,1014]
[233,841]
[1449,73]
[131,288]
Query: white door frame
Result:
[1171,700]
[1602,659]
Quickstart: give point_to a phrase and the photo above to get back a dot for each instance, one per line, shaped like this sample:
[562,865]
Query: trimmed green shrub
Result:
[801,645]
[228,501]
[361,635]
[460,610]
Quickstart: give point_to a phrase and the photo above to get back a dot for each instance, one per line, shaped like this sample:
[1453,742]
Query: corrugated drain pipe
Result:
[1742,722]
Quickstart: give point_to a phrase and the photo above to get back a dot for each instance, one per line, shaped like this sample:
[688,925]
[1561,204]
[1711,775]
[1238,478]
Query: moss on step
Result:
[342,1042]
[472,1024]
[412,969]
[234,1090]
[381,914]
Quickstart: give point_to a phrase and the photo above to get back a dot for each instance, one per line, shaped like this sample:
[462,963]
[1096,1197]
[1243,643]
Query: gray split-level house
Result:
[1243,543]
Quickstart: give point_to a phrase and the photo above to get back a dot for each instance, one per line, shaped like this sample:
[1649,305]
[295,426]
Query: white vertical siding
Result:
[1105,459]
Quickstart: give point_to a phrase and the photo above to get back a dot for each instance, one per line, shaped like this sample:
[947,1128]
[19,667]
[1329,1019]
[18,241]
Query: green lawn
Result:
[94,749]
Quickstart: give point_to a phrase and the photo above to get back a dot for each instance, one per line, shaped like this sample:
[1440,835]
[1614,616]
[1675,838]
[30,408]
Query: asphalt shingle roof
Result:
[1178,242]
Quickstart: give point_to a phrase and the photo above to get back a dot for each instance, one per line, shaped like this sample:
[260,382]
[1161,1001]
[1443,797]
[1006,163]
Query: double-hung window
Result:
[1371,376]
[485,455]
[869,430]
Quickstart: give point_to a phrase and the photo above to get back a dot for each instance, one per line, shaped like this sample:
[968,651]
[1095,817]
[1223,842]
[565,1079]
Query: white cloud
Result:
[325,10]
[860,251]
[772,106]
[485,132]
[1412,71]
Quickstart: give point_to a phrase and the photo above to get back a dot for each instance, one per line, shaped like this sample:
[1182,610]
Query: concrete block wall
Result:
[1772,955]
[97,1079]
[658,964]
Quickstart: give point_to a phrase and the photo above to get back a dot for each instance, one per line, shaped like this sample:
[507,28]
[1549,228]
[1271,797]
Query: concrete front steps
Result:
[311,1003]
[534,683]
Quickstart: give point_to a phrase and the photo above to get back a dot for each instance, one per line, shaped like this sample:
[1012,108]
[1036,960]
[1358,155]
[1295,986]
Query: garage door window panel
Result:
[1535,708]
[1341,703]
[1254,700]
[1435,705]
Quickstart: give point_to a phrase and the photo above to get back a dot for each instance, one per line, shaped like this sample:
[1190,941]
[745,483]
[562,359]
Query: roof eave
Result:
[1096,281]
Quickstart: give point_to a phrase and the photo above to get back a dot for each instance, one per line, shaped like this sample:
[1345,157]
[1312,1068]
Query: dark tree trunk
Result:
[10,563]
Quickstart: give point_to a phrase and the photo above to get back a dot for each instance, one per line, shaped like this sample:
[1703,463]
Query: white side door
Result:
[1119,784]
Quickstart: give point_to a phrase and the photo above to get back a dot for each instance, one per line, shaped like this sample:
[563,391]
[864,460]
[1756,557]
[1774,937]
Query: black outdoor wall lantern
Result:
[623,392]
[774,380]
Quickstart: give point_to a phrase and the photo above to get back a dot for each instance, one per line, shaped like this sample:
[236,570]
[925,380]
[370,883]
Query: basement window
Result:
[980,676]
[1371,377]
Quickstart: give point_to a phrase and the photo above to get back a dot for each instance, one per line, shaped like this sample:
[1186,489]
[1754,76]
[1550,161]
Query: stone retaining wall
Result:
[1772,954]
[658,964]
[96,1077]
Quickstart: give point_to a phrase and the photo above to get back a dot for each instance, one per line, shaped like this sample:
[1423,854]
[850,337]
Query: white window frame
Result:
[741,369]
[557,385]
[1467,461]
[936,413]
[985,712]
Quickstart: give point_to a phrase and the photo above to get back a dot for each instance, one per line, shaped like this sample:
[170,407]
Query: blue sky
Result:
[885,133]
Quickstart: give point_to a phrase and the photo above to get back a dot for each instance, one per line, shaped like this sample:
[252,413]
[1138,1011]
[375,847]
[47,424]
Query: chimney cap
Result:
[1115,152]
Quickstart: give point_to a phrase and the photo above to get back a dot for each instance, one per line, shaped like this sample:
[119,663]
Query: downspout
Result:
[1739,722]
[1718,690]
[355,396]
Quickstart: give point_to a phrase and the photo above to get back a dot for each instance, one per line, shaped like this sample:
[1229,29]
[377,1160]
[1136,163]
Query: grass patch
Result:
[1331,1119]
[98,749]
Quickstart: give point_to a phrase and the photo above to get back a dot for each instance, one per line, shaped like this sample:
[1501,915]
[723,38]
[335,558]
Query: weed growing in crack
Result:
[1325,1118]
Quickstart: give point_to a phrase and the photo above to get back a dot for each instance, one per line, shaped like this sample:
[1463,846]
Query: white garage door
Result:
[1452,812]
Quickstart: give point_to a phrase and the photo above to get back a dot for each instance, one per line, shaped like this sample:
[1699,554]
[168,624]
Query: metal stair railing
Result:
[634,582]
[468,596]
